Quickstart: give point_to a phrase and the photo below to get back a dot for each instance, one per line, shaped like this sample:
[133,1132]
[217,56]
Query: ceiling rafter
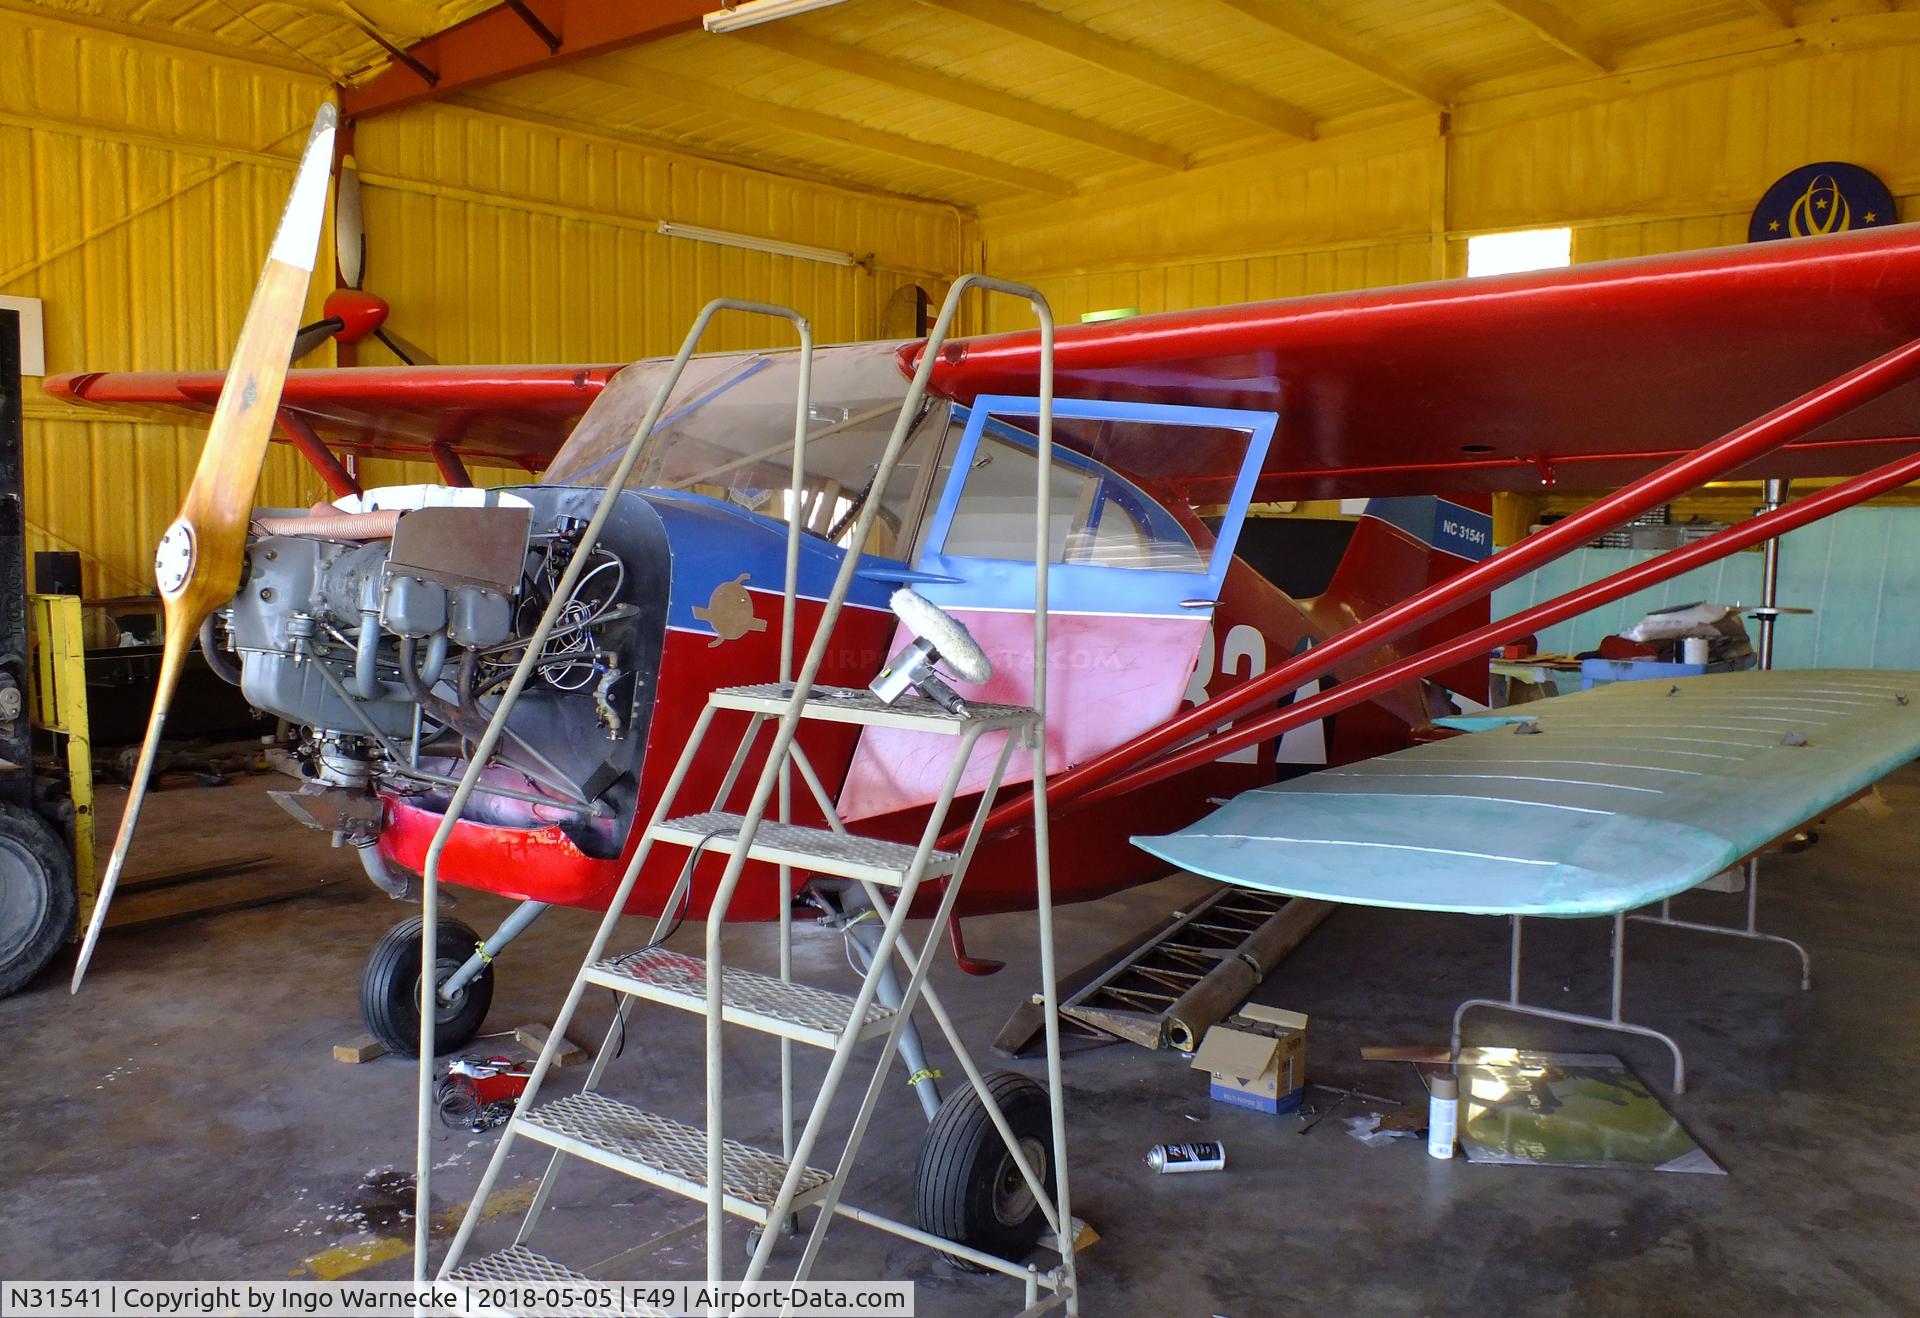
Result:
[968,95]
[654,81]
[1553,26]
[1137,63]
[1780,11]
[1295,21]
[638,139]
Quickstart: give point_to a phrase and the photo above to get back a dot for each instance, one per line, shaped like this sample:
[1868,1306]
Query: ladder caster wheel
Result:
[967,1187]
[390,989]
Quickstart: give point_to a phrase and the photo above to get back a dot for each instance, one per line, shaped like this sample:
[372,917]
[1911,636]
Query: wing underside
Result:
[516,416]
[1585,804]
[1586,377]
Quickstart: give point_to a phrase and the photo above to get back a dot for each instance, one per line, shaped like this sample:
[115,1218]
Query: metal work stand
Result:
[1753,910]
[1767,615]
[1609,1022]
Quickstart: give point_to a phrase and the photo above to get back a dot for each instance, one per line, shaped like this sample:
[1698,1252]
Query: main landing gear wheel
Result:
[967,1186]
[36,895]
[390,989]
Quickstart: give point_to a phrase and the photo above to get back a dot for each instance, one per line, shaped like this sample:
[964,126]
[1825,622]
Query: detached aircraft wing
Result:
[494,415]
[1584,804]
[1587,377]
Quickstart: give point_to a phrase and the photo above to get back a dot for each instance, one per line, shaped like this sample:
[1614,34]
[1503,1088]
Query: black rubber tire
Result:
[390,989]
[37,898]
[964,1169]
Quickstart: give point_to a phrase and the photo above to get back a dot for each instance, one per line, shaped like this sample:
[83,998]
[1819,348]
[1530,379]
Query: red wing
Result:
[492,415]
[1592,374]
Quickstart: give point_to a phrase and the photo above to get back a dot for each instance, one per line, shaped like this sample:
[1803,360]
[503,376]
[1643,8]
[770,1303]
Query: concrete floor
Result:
[183,1117]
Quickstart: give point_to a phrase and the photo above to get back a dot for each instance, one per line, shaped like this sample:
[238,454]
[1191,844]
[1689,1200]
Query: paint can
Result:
[1443,1115]
[1197,1156]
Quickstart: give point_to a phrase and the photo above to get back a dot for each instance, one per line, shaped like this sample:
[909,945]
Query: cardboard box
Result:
[1258,1059]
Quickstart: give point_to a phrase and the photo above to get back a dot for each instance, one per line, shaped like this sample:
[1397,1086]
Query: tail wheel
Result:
[967,1186]
[390,989]
[36,895]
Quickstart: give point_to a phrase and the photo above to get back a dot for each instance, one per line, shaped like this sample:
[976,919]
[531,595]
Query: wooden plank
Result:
[534,1039]
[360,1048]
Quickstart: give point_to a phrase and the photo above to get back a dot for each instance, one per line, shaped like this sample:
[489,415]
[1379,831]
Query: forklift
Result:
[46,820]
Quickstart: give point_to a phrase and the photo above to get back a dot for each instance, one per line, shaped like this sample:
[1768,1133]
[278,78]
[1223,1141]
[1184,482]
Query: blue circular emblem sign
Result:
[1829,197]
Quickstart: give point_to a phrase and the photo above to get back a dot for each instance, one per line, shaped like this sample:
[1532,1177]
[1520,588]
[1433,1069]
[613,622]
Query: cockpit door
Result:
[1133,576]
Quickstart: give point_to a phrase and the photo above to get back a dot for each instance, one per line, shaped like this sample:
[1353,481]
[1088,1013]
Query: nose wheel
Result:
[390,989]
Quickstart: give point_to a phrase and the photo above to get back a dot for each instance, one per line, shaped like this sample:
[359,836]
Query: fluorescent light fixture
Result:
[734,17]
[747,242]
[1525,249]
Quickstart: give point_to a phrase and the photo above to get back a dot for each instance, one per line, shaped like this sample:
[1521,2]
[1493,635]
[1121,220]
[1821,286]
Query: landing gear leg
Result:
[863,936]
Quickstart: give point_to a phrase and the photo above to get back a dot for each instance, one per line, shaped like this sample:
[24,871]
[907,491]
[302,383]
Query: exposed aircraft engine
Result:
[387,635]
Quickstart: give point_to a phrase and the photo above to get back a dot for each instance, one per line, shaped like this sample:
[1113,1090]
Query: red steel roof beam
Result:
[501,43]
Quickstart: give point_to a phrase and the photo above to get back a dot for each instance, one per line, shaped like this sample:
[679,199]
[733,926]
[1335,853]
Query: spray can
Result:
[1443,1114]
[1198,1156]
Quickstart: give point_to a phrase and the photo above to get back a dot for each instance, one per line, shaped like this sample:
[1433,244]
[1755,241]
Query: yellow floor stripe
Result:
[349,1257]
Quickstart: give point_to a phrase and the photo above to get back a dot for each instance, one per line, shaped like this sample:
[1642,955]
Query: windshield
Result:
[727,433]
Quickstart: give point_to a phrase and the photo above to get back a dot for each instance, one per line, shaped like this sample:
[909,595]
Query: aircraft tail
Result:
[1400,547]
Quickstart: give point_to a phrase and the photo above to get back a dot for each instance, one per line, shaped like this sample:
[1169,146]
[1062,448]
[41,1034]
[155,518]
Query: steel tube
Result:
[1735,449]
[1776,494]
[1574,602]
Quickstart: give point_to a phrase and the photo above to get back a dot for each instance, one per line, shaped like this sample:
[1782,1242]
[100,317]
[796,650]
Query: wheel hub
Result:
[445,1008]
[1013,1200]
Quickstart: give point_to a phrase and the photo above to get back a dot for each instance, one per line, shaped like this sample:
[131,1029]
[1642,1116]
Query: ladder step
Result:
[761,1002]
[818,850]
[839,704]
[664,1152]
[516,1265]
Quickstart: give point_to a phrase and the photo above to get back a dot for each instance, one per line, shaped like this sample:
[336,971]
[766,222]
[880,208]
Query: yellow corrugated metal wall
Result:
[1657,161]
[144,181]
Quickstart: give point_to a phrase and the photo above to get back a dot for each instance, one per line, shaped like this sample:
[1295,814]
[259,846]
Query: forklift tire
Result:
[37,899]
[967,1187]
[390,989]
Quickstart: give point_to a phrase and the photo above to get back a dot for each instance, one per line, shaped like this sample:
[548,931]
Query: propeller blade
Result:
[349,229]
[312,336]
[200,557]
[410,353]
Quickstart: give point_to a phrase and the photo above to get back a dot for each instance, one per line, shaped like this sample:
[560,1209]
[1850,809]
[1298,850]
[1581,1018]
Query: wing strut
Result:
[1767,526]
[1733,450]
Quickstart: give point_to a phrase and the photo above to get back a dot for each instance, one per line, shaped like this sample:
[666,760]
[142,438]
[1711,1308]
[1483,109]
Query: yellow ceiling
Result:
[1002,103]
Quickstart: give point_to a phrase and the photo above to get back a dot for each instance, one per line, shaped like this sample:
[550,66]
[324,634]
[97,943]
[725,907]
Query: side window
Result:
[1095,516]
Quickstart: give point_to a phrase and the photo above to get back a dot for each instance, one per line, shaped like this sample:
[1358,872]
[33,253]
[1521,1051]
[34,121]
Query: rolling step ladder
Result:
[701,1163]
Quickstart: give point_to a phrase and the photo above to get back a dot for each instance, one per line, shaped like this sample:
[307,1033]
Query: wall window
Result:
[1525,249]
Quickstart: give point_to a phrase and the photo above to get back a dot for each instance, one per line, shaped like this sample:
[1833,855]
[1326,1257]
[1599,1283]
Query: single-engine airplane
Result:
[382,626]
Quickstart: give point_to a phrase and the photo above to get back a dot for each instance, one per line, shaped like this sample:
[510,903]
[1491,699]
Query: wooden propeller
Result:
[200,557]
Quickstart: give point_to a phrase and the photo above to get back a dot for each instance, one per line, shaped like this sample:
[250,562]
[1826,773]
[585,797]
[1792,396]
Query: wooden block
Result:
[360,1048]
[534,1039]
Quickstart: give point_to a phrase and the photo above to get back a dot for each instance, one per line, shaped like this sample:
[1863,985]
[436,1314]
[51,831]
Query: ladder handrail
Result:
[497,722]
[803,688]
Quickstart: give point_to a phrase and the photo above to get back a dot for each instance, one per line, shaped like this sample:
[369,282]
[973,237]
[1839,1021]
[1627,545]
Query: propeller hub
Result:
[173,560]
[359,313]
